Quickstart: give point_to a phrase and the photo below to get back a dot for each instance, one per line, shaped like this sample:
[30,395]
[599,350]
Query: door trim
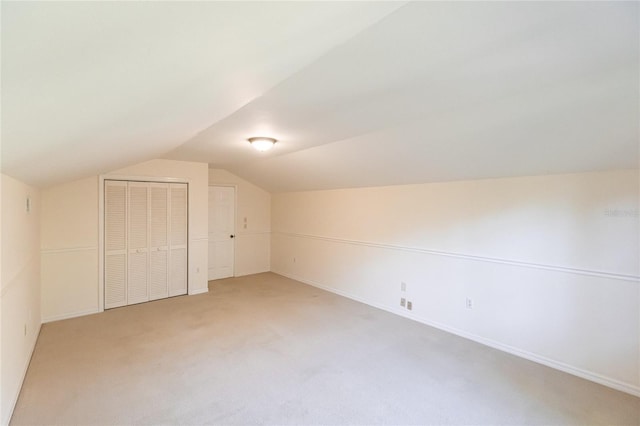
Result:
[235,221]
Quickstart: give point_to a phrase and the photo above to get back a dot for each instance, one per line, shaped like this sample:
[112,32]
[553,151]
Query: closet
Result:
[145,235]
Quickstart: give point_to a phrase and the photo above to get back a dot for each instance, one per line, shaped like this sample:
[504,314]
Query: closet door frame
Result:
[101,223]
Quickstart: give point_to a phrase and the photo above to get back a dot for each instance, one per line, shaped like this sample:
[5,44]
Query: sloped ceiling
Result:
[88,87]
[358,94]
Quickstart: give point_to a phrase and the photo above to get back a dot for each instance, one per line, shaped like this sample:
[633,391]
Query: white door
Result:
[221,231]
[138,243]
[178,238]
[146,241]
[115,244]
[159,241]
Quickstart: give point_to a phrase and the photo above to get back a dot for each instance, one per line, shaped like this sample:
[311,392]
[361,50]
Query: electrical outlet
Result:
[403,302]
[403,286]
[469,303]
[409,305]
[25,329]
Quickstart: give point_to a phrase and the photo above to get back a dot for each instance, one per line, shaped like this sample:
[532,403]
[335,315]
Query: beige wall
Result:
[253,244]
[69,247]
[70,237]
[20,290]
[2,422]
[550,263]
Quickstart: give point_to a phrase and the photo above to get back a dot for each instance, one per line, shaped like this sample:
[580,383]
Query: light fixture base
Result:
[262,143]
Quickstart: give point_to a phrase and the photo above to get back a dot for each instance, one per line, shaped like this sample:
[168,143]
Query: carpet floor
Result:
[265,349]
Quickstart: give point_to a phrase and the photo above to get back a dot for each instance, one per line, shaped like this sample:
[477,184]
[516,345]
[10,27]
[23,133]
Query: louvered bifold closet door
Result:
[159,242]
[138,243]
[115,223]
[178,239]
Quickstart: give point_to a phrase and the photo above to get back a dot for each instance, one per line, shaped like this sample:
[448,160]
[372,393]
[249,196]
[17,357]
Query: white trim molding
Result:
[67,250]
[199,291]
[70,315]
[252,233]
[564,269]
[10,282]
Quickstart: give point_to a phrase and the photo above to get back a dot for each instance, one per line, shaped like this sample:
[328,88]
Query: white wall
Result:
[253,243]
[70,237]
[550,262]
[20,291]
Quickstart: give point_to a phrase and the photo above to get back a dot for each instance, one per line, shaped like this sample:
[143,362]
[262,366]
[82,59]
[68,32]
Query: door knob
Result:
[231,236]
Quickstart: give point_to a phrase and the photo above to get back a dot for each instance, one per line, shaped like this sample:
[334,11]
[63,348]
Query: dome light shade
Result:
[262,144]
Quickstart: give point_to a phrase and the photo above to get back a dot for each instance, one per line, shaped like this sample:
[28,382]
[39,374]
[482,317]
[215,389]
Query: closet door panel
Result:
[146,241]
[115,282]
[159,241]
[178,272]
[178,239]
[137,278]
[138,243]
[115,224]
[158,275]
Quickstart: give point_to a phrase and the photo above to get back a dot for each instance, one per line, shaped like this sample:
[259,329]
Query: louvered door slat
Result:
[178,239]
[115,223]
[138,243]
[115,282]
[159,242]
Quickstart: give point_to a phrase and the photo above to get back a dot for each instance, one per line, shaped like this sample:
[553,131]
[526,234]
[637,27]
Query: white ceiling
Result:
[358,94]
[88,87]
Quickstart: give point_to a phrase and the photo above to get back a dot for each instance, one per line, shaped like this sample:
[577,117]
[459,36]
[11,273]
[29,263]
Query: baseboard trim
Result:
[558,365]
[12,407]
[199,291]
[70,315]
[258,271]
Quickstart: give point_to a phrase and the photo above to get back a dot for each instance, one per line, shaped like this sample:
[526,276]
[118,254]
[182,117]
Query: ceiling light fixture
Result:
[262,144]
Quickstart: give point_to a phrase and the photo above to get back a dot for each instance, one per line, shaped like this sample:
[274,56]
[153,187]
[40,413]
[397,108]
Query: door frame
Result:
[235,221]
[135,178]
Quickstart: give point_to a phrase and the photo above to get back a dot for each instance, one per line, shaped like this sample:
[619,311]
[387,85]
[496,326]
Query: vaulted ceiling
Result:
[358,94]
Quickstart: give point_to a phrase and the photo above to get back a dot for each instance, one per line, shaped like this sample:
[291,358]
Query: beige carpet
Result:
[268,350]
